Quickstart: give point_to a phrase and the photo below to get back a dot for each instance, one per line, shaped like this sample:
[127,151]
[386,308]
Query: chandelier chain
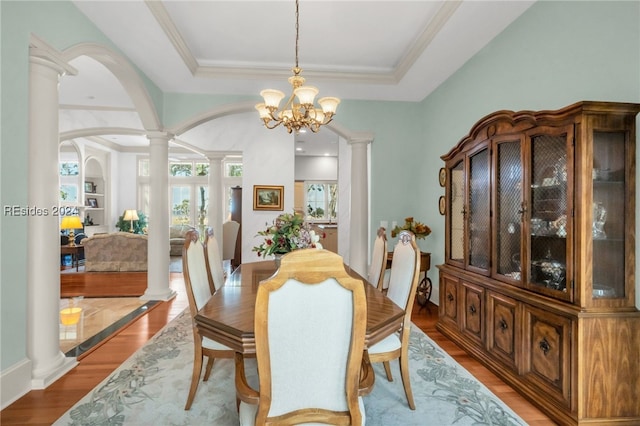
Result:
[297,30]
[299,111]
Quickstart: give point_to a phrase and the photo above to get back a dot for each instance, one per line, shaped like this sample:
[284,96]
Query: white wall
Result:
[268,159]
[316,168]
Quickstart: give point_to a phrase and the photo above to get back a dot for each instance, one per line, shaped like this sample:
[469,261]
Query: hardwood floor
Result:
[43,407]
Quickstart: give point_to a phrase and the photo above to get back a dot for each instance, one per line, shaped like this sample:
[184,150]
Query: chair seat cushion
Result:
[212,344]
[388,344]
[247,414]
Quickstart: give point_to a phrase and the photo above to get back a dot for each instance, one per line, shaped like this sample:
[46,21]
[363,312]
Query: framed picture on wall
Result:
[268,197]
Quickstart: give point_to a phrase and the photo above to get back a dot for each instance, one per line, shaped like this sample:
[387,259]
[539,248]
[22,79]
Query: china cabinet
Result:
[538,281]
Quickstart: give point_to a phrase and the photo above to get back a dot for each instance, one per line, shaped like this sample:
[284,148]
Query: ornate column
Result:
[359,222]
[43,272]
[158,252]
[216,196]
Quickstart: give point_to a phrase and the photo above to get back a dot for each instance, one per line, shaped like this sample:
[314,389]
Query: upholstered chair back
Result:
[214,260]
[229,236]
[378,259]
[403,282]
[405,269]
[194,270]
[310,324]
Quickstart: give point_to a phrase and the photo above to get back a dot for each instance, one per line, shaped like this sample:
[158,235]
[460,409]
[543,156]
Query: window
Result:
[189,189]
[202,169]
[180,205]
[181,169]
[233,169]
[143,167]
[321,200]
[232,178]
[69,169]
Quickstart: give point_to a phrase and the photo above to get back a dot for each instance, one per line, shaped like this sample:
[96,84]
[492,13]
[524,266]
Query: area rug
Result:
[151,387]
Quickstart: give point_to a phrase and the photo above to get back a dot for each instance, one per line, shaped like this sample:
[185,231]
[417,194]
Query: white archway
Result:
[359,194]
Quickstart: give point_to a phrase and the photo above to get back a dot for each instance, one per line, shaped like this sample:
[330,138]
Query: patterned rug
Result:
[151,387]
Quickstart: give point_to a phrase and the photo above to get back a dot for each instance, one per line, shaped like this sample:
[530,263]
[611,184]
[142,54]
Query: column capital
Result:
[159,136]
[363,138]
[214,156]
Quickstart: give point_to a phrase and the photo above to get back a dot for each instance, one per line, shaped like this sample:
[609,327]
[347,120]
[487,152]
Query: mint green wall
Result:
[61,25]
[555,54]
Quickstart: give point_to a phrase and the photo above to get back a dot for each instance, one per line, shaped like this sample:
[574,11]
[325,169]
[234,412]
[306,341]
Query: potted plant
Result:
[139,226]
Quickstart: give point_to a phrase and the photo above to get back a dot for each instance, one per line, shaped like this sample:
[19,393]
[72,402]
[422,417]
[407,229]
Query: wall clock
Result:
[442,176]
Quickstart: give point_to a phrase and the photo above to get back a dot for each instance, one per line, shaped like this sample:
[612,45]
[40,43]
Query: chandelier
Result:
[299,112]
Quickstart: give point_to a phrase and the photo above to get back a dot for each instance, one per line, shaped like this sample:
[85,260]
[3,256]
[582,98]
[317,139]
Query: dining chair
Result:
[230,231]
[199,290]
[403,281]
[215,270]
[378,259]
[310,323]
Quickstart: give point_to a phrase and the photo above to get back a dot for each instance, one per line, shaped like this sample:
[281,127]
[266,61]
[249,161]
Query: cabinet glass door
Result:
[479,211]
[455,214]
[508,239]
[549,219]
[608,220]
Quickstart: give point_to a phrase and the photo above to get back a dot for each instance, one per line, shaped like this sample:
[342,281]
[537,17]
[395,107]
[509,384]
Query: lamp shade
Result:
[306,94]
[70,316]
[71,222]
[272,97]
[329,105]
[130,215]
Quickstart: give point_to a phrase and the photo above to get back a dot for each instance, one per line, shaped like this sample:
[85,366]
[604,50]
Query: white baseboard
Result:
[15,382]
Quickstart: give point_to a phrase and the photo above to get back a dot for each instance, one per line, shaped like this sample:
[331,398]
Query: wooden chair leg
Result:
[387,369]
[406,380]
[207,371]
[195,376]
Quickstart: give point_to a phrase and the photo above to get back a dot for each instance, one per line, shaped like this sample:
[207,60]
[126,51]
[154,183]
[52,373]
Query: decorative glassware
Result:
[599,219]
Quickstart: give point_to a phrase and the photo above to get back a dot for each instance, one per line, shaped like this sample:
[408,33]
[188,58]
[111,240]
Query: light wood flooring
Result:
[43,407]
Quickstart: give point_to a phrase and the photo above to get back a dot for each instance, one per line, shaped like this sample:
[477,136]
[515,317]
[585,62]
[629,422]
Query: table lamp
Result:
[130,215]
[71,223]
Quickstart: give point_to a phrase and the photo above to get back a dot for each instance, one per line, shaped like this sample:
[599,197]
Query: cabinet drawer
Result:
[449,299]
[503,328]
[472,311]
[547,352]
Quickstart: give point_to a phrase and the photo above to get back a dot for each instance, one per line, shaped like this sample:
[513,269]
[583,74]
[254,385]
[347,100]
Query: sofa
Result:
[176,238]
[115,252]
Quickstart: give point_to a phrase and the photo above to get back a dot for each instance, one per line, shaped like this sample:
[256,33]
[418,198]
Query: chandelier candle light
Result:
[301,114]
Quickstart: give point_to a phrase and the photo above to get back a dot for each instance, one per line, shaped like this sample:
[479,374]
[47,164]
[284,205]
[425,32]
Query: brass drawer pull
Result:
[503,325]
[450,297]
[472,309]
[544,346]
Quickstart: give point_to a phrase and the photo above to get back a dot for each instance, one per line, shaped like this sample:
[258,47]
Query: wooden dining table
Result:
[228,315]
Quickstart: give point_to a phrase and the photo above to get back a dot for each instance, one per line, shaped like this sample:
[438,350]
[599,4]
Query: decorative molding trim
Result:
[15,382]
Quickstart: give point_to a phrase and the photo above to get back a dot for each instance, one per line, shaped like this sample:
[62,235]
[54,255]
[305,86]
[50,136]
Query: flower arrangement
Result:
[289,232]
[419,229]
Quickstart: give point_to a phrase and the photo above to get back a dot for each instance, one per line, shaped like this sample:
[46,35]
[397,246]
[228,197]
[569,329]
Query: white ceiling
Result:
[360,50]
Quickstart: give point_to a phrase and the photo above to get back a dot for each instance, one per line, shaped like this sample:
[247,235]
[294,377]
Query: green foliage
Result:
[235,170]
[202,169]
[289,232]
[180,169]
[139,226]
[181,213]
